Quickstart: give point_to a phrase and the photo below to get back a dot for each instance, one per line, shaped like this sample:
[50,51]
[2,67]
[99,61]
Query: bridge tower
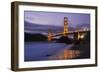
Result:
[65,26]
[49,35]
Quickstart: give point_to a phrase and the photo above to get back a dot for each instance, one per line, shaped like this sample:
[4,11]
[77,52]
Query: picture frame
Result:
[30,18]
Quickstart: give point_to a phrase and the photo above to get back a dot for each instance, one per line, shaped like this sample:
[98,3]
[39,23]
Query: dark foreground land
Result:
[83,46]
[84,49]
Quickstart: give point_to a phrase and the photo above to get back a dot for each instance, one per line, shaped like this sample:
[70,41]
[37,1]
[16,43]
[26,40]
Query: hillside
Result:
[34,37]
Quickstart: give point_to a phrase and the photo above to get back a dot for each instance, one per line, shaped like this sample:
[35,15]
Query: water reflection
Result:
[66,54]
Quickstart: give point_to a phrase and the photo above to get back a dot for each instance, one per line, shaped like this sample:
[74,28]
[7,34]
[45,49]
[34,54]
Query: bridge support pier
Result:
[49,35]
[76,36]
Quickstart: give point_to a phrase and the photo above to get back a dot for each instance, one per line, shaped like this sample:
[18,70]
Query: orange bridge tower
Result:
[65,31]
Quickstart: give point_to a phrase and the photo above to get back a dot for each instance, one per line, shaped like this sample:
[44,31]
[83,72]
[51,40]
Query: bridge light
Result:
[81,36]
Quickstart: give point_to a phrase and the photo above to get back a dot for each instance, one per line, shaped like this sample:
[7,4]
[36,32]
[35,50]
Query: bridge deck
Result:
[70,32]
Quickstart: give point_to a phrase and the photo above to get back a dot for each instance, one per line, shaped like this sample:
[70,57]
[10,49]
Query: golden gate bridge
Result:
[77,34]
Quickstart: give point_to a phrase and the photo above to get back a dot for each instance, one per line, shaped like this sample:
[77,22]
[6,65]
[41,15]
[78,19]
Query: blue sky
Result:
[56,18]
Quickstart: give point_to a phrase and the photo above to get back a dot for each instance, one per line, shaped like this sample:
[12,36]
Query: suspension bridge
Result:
[77,34]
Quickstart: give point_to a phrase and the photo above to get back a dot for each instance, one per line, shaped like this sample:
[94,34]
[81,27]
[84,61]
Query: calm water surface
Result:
[37,51]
